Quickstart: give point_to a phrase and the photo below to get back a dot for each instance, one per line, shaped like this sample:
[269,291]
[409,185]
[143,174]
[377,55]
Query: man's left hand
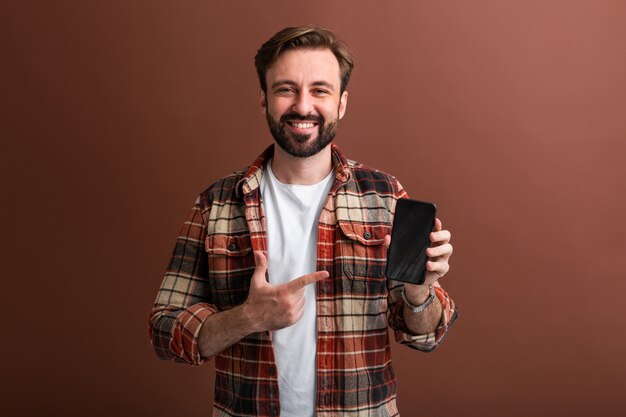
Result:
[437,265]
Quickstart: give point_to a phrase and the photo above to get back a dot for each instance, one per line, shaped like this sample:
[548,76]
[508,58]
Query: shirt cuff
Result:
[429,341]
[186,331]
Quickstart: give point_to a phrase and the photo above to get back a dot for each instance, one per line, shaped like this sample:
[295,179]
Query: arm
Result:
[186,327]
[425,321]
[268,307]
[439,317]
[183,301]
[424,330]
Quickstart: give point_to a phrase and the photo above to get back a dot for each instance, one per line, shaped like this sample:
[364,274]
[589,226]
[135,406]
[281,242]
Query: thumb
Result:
[387,241]
[258,277]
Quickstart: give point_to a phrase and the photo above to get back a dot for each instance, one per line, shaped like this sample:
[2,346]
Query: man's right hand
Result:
[273,307]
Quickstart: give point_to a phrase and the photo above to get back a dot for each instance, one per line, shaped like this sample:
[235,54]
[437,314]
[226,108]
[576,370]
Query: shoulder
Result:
[368,179]
[224,190]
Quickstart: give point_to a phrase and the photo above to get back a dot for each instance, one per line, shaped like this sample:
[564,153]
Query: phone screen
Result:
[410,237]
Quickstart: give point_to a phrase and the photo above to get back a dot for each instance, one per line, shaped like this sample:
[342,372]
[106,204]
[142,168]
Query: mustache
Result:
[292,115]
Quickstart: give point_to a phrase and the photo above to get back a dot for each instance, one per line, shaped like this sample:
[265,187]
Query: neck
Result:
[301,171]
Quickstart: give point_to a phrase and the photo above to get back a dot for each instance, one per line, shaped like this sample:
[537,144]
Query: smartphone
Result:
[410,237]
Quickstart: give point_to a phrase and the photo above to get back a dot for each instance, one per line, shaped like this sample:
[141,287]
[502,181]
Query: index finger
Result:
[437,236]
[305,280]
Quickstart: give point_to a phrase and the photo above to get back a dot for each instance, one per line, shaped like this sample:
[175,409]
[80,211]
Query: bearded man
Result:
[278,272]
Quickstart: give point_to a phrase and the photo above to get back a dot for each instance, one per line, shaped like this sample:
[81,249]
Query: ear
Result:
[262,101]
[343,103]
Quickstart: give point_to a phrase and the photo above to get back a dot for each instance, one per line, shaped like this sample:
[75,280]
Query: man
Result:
[278,271]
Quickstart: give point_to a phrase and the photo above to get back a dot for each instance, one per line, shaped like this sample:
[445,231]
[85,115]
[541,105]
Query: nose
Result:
[303,104]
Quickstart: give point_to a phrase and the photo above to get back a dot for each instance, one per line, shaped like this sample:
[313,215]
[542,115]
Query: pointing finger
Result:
[305,280]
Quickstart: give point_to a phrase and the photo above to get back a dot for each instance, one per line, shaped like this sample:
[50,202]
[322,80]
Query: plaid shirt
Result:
[211,268]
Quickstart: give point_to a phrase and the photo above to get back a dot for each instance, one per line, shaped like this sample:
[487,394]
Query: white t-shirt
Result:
[292,215]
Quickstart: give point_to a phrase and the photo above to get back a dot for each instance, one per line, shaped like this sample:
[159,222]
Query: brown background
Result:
[509,114]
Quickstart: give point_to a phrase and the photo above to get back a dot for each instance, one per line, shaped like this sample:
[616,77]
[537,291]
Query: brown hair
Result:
[303,37]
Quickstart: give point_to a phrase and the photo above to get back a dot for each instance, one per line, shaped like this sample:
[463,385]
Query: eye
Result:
[320,92]
[285,90]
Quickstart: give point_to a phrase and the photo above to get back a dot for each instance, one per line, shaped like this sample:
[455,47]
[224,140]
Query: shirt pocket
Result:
[231,264]
[362,253]
[361,263]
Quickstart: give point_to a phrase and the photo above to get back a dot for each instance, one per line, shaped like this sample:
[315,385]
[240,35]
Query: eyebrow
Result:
[292,83]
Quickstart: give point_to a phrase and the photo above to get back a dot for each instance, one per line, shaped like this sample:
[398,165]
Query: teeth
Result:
[303,125]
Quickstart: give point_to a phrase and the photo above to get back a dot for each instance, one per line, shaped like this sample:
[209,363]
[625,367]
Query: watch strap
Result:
[424,305]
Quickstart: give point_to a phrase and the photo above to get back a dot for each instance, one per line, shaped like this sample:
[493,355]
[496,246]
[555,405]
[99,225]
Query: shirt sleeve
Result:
[423,342]
[183,301]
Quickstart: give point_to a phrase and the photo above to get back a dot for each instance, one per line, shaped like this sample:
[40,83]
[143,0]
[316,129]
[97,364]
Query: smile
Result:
[302,125]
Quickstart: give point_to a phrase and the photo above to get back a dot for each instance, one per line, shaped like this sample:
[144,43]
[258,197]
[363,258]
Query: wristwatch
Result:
[424,305]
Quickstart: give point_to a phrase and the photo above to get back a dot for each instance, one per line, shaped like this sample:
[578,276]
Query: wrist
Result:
[422,304]
[248,318]
[416,294]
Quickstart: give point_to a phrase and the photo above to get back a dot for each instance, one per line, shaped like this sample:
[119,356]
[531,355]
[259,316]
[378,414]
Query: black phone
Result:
[410,237]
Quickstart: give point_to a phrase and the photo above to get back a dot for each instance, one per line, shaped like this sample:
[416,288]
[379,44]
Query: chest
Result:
[350,236]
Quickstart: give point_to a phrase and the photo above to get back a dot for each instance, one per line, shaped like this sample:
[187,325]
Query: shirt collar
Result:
[252,178]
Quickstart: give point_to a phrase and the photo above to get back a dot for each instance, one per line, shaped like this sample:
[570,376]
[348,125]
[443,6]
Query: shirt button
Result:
[271,370]
[232,247]
[367,235]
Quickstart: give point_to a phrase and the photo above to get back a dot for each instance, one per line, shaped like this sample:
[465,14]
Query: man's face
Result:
[303,102]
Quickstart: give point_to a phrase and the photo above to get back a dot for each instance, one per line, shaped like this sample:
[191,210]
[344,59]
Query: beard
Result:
[299,147]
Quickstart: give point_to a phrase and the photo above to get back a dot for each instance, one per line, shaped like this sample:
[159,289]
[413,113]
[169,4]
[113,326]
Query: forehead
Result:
[305,66]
